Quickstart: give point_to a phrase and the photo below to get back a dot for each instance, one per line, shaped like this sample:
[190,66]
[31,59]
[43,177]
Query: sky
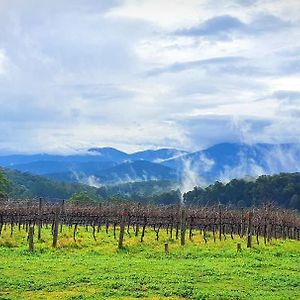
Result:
[139,74]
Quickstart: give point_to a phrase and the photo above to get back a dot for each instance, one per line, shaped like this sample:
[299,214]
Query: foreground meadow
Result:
[90,269]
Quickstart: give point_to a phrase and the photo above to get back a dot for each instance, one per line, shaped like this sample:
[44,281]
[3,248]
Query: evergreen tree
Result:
[3,185]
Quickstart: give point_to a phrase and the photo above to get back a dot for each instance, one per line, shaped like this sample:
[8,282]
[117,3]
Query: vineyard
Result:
[178,222]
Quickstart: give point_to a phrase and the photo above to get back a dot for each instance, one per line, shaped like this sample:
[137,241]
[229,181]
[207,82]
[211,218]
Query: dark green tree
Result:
[4,184]
[81,197]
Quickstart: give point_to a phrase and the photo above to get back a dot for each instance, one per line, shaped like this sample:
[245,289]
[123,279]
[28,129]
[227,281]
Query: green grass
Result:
[98,270]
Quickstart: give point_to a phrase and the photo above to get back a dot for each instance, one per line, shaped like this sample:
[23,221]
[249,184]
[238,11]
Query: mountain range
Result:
[108,166]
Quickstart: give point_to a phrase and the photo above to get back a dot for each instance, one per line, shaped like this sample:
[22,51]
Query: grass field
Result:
[98,270]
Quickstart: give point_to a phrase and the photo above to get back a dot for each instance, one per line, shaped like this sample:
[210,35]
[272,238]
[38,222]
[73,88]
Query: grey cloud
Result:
[214,26]
[225,25]
[19,108]
[288,96]
[212,129]
[234,65]
[267,23]
[246,2]
[177,67]
[291,66]
[99,92]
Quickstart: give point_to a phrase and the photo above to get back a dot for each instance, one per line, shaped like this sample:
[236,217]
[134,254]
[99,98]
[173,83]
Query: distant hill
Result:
[110,166]
[49,167]
[139,170]
[26,185]
[13,160]
[110,154]
[229,160]
[157,156]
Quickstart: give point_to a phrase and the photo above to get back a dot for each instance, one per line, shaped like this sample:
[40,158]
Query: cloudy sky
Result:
[138,74]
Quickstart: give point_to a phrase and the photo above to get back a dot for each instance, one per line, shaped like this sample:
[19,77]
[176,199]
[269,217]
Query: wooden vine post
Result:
[242,223]
[30,239]
[94,232]
[62,214]
[137,228]
[182,227]
[99,217]
[166,248]
[55,228]
[266,226]
[40,219]
[144,229]
[220,223]
[249,230]
[122,230]
[12,226]
[74,232]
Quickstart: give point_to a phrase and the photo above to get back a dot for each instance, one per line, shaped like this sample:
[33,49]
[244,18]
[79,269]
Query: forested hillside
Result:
[3,185]
[282,189]
[25,185]
[15,184]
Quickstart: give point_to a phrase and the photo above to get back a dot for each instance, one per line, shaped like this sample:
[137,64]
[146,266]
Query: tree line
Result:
[283,189]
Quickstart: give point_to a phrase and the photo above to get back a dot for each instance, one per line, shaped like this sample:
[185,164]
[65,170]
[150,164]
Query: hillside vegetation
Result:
[25,185]
[282,189]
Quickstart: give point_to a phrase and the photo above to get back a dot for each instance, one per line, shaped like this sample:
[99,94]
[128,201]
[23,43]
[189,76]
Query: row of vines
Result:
[179,222]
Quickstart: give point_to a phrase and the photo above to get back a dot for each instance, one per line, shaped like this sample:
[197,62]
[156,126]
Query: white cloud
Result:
[3,62]
[167,14]
[75,74]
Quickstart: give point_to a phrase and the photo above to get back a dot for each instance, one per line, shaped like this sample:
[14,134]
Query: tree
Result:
[3,185]
[168,198]
[295,202]
[81,197]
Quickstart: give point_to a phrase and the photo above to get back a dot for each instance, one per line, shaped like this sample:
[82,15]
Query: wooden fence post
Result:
[249,230]
[242,223]
[166,248]
[40,219]
[144,229]
[94,232]
[55,228]
[191,223]
[30,238]
[75,232]
[183,227]
[62,212]
[11,226]
[204,234]
[99,218]
[137,227]
[122,229]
